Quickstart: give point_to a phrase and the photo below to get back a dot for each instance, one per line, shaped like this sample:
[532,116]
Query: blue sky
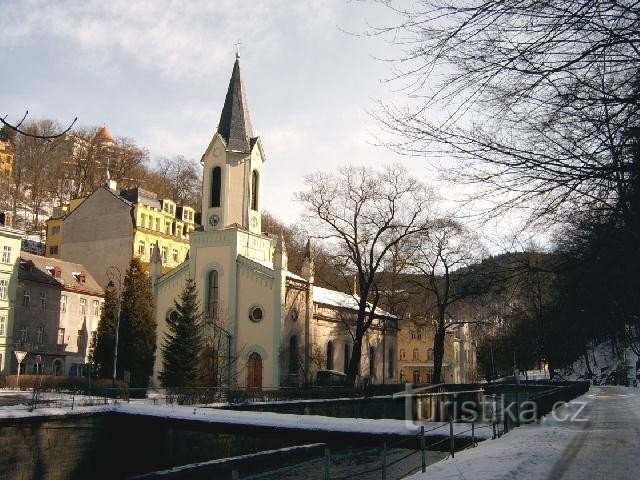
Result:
[157,71]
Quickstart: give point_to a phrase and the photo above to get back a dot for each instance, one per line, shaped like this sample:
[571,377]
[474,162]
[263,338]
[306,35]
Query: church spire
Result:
[235,123]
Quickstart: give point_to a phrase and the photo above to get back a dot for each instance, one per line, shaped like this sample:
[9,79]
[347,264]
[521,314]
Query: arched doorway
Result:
[57,367]
[254,372]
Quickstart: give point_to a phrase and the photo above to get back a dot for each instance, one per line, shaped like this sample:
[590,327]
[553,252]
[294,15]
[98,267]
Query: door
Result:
[254,372]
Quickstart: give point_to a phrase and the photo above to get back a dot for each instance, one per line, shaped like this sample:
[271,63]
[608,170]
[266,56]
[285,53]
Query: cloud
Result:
[174,38]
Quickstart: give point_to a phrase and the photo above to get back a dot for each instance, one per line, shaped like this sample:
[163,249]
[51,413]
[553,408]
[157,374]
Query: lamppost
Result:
[115,287]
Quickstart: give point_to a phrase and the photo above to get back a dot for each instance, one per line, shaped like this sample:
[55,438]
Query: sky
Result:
[157,71]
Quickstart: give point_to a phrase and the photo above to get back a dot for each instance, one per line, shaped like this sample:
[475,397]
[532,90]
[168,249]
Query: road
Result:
[597,436]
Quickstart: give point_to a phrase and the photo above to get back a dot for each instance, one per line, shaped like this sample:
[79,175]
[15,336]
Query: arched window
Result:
[329,355]
[254,190]
[392,362]
[293,355]
[216,186]
[372,362]
[212,295]
[347,351]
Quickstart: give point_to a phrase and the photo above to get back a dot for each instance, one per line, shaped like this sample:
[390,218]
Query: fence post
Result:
[327,464]
[473,434]
[235,475]
[453,443]
[422,448]
[384,460]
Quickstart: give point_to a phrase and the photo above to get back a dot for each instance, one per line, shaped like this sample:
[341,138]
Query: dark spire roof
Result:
[235,123]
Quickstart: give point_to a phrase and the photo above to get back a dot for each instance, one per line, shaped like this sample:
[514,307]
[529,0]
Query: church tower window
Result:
[216,186]
[212,295]
[254,190]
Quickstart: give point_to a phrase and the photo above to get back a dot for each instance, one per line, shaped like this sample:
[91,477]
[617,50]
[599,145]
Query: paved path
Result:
[599,441]
[607,445]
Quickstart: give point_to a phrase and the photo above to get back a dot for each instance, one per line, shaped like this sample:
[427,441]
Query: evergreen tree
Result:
[183,343]
[137,343]
[101,349]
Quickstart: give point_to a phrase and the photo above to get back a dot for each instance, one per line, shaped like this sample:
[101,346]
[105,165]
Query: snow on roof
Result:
[342,300]
[269,265]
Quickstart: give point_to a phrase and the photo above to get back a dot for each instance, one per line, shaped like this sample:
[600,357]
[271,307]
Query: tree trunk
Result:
[354,362]
[438,349]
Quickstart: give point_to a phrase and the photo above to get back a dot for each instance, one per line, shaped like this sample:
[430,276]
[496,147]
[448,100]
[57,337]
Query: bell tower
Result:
[233,161]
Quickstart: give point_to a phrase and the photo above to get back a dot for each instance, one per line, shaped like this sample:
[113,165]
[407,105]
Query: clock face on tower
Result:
[214,220]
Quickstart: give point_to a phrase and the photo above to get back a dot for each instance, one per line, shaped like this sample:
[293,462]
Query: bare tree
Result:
[536,100]
[177,178]
[444,260]
[26,132]
[363,213]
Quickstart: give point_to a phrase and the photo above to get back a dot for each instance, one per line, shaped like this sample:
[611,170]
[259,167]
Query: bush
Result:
[62,383]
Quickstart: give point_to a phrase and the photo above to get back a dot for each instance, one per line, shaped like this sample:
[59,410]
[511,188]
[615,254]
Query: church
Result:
[264,326]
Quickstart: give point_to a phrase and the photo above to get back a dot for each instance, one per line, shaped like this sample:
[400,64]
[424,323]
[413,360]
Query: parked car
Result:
[330,378]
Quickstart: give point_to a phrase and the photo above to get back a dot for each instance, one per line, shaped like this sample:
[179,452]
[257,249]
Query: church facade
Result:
[265,327]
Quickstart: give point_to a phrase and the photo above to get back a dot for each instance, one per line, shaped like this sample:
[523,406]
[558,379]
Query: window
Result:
[142,247]
[416,376]
[413,335]
[96,307]
[43,300]
[175,255]
[392,363]
[53,250]
[55,230]
[142,218]
[63,303]
[80,340]
[372,362]
[3,326]
[216,184]
[164,254]
[61,336]
[254,190]
[6,254]
[4,284]
[293,355]
[416,354]
[329,355]
[149,222]
[40,335]
[57,367]
[347,351]
[212,294]
[256,314]
[157,224]
[403,354]
[26,298]
[24,334]
[83,306]
[430,354]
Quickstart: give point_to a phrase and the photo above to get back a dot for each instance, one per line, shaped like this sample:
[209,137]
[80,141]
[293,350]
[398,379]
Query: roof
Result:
[139,195]
[42,272]
[321,295]
[235,123]
[104,135]
[342,300]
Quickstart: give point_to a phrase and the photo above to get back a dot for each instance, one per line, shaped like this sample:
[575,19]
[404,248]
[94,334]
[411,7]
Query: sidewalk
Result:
[600,441]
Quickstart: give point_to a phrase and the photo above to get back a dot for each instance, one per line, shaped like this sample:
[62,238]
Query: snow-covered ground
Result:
[604,359]
[599,441]
[258,419]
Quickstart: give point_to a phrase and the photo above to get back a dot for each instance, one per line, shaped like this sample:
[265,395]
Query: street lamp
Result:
[115,287]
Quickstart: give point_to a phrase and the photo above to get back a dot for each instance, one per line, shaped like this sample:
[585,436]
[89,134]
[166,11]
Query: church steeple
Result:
[235,123]
[232,174]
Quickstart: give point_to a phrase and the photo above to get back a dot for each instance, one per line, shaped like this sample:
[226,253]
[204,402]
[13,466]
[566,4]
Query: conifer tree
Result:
[137,343]
[101,349]
[183,343]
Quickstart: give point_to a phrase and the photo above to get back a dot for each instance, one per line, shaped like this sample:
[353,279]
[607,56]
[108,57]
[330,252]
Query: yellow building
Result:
[415,353]
[54,227]
[107,228]
[7,156]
